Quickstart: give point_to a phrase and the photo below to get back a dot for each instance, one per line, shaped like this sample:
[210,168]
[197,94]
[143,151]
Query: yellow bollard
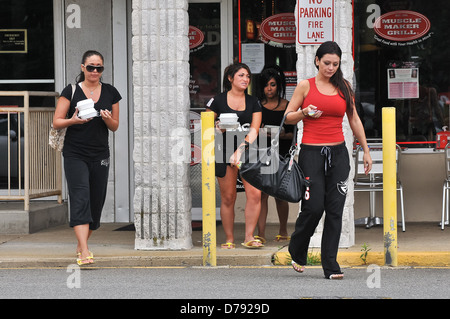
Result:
[208,190]
[389,187]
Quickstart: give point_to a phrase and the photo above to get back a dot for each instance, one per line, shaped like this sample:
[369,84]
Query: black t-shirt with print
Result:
[89,141]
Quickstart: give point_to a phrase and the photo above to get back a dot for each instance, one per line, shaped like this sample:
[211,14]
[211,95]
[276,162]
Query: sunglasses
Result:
[91,68]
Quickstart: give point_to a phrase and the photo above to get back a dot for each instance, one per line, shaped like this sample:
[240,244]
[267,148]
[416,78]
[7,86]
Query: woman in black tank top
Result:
[271,92]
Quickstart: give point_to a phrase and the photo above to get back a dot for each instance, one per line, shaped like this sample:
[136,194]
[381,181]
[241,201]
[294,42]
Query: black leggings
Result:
[87,183]
[327,168]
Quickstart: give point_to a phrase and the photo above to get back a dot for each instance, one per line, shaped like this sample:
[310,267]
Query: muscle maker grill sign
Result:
[279,28]
[402,26]
[196,37]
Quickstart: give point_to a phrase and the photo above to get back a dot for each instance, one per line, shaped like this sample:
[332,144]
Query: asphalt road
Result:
[224,283]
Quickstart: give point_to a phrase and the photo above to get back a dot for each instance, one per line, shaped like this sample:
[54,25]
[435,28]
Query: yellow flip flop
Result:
[282,238]
[250,245]
[261,239]
[227,246]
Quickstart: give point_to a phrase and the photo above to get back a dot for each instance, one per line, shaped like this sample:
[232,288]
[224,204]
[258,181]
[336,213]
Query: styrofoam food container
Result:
[272,127]
[228,118]
[86,109]
[88,115]
[85,104]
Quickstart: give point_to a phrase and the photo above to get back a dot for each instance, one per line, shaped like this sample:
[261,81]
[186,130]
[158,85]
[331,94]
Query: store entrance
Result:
[209,44]
[259,33]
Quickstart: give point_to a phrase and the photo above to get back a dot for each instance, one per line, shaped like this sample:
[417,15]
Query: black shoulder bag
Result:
[276,175]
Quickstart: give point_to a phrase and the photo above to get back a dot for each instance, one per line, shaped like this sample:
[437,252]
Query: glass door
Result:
[265,31]
[209,39]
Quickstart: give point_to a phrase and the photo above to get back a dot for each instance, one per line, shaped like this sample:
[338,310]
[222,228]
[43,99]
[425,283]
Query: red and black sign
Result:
[402,25]
[279,28]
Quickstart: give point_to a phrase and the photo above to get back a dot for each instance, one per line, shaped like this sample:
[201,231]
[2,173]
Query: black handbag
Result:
[276,175]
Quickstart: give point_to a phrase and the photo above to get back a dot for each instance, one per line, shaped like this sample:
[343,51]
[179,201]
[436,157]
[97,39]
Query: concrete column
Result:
[162,198]
[306,69]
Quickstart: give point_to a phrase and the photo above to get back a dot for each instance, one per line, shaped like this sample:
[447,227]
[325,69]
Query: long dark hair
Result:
[87,54]
[230,71]
[343,86]
[272,72]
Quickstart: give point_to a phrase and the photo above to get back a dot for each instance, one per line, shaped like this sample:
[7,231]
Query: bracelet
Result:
[305,115]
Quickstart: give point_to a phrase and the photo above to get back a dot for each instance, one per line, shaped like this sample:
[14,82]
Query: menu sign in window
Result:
[403,83]
[13,41]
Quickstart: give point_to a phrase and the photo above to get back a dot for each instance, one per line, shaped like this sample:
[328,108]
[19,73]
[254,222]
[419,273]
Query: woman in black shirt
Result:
[235,100]
[86,148]
[271,92]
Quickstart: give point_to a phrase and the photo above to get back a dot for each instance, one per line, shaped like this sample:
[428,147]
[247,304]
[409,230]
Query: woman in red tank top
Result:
[321,103]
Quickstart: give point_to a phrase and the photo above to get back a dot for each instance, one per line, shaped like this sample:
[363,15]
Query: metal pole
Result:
[208,190]
[389,187]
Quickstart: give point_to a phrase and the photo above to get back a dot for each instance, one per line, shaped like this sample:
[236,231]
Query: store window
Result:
[205,52]
[401,61]
[26,64]
[27,49]
[26,45]
[264,35]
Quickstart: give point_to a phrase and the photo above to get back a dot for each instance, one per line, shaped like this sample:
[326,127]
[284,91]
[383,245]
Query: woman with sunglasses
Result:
[86,148]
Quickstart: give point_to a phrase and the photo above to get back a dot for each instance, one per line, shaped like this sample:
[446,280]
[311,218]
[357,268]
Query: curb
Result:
[141,261]
[412,259]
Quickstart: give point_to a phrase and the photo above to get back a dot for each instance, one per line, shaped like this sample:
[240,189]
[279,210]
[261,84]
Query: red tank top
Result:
[328,127]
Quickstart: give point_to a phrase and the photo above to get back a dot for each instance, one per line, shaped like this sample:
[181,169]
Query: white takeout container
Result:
[86,109]
[229,126]
[228,121]
[228,118]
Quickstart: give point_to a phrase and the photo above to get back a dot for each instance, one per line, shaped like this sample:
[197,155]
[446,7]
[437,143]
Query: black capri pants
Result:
[87,183]
[327,168]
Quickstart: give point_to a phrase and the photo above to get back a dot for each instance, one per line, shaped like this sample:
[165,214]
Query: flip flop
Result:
[227,246]
[86,261]
[336,276]
[91,255]
[250,245]
[282,238]
[297,267]
[261,239]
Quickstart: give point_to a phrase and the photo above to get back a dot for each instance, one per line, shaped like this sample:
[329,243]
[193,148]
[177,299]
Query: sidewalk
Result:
[422,245]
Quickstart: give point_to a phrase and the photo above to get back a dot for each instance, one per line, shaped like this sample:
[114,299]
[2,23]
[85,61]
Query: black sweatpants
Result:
[87,183]
[327,168]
